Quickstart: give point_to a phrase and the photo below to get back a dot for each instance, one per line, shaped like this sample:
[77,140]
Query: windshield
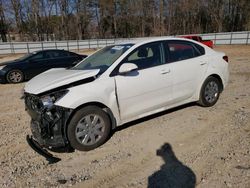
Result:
[104,58]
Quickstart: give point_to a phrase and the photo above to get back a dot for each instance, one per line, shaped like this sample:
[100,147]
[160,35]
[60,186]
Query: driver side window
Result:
[146,56]
[37,56]
[135,56]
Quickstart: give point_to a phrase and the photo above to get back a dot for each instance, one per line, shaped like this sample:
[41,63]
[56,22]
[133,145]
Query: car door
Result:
[189,65]
[147,89]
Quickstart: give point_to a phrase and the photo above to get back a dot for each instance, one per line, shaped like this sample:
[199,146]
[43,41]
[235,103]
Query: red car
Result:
[208,43]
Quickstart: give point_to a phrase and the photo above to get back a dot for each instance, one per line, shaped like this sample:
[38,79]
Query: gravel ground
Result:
[187,146]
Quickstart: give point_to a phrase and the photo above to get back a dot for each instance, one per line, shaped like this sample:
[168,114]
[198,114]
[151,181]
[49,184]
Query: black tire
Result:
[15,76]
[79,131]
[210,92]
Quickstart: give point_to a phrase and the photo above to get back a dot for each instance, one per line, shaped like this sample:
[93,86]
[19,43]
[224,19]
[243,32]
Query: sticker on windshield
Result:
[117,48]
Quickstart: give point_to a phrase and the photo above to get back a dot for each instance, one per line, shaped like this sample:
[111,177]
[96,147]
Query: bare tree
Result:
[81,19]
[17,8]
[3,24]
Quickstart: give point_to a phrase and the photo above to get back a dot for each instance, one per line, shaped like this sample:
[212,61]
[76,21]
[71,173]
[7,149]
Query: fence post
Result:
[231,38]
[215,39]
[68,45]
[42,44]
[247,37]
[97,43]
[55,44]
[77,42]
[12,48]
[89,43]
[28,49]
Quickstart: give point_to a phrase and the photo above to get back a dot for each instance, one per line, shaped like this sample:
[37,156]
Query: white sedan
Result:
[78,107]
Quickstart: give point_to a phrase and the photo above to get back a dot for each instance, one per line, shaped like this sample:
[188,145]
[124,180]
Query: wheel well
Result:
[219,79]
[100,105]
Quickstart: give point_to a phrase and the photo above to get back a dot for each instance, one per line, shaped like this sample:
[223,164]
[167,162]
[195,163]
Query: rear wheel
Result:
[15,76]
[210,92]
[89,128]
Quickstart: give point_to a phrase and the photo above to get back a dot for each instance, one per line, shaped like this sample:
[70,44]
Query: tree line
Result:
[39,20]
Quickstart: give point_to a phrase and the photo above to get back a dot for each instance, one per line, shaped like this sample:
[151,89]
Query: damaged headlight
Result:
[49,100]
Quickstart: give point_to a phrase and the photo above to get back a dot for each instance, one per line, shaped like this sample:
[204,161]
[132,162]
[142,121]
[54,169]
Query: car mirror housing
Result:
[127,67]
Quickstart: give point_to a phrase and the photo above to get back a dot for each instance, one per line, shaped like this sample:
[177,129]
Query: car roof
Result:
[140,41]
[47,50]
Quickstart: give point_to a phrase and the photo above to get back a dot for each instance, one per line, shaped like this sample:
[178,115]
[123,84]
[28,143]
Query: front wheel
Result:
[15,76]
[89,128]
[210,92]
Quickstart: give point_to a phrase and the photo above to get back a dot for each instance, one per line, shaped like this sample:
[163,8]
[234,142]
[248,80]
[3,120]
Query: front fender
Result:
[99,91]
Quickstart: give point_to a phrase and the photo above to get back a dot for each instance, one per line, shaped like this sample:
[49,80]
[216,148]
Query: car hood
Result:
[55,78]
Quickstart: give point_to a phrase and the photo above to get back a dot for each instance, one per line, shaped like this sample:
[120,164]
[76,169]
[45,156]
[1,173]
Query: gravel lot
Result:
[203,147]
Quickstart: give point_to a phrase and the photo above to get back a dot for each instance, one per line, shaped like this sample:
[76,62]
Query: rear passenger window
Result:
[72,54]
[58,54]
[179,50]
[200,49]
[55,54]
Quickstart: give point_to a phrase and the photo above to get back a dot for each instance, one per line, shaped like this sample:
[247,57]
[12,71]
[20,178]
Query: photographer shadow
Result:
[173,174]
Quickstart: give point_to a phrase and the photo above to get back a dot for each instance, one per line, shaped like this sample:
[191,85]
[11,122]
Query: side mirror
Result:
[127,67]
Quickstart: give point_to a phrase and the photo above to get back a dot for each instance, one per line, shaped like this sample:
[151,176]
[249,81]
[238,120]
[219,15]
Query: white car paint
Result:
[140,93]
[186,75]
[54,78]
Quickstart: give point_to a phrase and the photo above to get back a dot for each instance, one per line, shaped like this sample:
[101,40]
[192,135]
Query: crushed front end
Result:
[48,122]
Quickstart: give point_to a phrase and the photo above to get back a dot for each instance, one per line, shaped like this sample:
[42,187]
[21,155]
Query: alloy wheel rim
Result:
[15,76]
[90,129]
[211,91]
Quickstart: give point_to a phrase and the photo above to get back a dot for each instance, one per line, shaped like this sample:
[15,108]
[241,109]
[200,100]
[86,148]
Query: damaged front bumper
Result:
[40,150]
[48,127]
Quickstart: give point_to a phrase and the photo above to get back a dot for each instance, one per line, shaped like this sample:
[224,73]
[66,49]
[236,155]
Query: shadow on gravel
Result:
[173,173]
[130,124]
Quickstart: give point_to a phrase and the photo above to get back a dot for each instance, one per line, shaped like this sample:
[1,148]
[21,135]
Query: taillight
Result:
[225,58]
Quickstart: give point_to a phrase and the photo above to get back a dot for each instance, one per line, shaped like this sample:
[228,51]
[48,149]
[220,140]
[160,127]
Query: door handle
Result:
[165,71]
[203,63]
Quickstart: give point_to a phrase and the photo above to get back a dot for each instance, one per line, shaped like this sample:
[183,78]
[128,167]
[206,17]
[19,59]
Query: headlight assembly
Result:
[1,67]
[49,100]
